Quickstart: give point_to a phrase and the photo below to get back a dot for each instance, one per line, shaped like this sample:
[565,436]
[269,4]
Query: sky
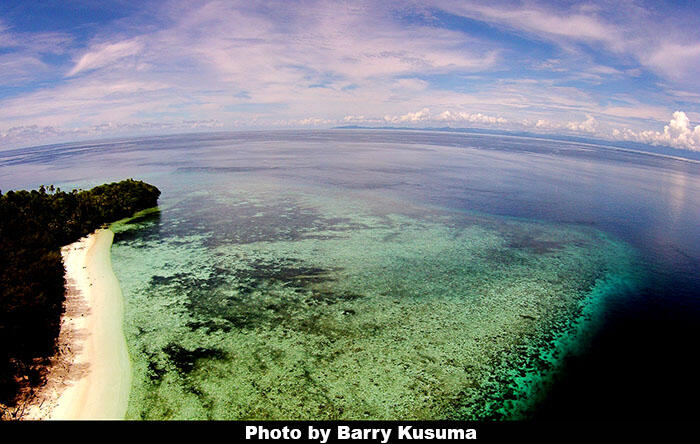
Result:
[613,70]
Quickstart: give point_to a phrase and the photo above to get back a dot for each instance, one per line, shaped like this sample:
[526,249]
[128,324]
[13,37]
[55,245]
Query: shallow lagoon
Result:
[274,301]
[388,274]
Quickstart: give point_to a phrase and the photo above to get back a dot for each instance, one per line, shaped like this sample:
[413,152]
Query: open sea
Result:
[384,274]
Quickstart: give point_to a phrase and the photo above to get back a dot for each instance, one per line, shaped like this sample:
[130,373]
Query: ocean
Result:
[385,274]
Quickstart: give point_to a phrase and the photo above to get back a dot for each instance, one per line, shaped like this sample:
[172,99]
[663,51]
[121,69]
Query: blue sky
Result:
[617,70]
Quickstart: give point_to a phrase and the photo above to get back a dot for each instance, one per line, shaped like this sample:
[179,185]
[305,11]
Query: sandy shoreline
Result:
[91,374]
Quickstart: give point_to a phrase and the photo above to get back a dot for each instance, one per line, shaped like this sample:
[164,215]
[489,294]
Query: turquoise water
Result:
[274,299]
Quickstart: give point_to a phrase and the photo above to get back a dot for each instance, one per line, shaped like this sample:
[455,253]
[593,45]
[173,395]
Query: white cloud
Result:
[105,54]
[311,121]
[581,25]
[411,84]
[21,55]
[542,124]
[425,116]
[34,132]
[590,125]
[676,61]
[418,116]
[679,133]
[668,44]
[16,69]
[450,116]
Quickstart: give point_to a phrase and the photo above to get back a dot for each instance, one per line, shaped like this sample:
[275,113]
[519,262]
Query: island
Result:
[54,246]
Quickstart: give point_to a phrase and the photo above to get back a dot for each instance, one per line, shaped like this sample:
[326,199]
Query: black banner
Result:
[384,432]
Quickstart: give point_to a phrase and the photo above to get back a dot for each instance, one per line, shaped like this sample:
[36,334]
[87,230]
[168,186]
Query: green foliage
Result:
[33,227]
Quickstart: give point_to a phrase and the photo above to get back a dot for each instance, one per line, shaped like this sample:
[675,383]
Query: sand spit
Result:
[90,376]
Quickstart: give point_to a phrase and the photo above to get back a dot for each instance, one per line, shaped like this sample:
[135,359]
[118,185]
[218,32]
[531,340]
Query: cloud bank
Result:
[679,133]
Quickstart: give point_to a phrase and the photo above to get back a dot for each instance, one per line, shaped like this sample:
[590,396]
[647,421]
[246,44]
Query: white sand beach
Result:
[90,376]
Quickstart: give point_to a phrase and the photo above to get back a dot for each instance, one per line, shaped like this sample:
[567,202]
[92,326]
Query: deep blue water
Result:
[640,364]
